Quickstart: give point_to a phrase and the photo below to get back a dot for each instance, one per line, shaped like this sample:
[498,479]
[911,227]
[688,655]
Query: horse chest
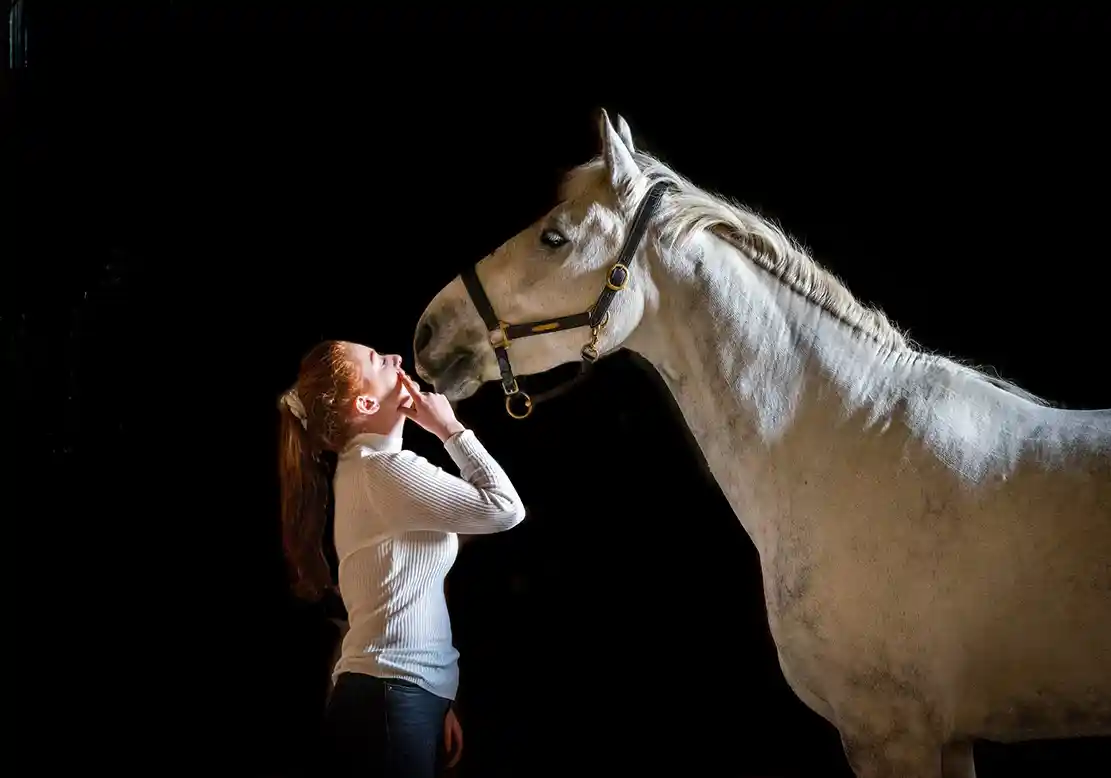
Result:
[794,619]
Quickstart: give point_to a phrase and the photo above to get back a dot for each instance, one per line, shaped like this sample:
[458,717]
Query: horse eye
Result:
[552,239]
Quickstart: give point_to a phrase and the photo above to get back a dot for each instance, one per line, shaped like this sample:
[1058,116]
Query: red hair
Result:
[327,384]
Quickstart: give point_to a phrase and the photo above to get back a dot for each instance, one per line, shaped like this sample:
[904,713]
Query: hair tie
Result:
[296,407]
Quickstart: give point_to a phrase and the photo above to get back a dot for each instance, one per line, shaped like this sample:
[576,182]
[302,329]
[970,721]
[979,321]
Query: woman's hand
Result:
[431,411]
[453,738]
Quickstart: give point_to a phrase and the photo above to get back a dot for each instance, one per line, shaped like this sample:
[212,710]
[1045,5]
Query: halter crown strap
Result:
[619,273]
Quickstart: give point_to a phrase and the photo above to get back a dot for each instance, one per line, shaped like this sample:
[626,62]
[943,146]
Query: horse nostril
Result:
[424,337]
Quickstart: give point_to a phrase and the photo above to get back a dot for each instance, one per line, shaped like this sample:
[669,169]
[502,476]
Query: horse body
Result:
[935,544]
[934,547]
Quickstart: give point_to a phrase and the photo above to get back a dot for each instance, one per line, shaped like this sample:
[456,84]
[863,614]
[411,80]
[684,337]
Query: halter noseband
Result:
[594,317]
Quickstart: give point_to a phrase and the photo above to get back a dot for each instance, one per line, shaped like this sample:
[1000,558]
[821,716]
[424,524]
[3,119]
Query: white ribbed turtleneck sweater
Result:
[396,524]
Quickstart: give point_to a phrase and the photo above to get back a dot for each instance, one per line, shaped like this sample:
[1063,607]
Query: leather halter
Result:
[595,317]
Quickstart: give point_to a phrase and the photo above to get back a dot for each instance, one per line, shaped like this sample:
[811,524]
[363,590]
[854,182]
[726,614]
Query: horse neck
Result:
[762,376]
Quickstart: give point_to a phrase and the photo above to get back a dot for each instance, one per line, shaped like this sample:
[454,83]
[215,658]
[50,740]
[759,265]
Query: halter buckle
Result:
[615,285]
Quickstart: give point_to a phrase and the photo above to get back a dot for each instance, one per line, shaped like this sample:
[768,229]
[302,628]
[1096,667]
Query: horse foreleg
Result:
[903,756]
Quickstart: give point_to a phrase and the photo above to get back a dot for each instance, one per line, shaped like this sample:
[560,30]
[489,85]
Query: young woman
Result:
[396,522]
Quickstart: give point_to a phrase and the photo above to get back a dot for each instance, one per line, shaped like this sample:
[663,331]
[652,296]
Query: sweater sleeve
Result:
[421,496]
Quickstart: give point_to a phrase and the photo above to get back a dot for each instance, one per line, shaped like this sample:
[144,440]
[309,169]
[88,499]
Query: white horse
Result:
[935,543]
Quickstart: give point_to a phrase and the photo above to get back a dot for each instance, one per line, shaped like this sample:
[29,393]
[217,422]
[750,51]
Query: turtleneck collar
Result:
[386,444]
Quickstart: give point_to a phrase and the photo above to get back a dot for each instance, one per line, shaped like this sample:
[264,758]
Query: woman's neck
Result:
[388,426]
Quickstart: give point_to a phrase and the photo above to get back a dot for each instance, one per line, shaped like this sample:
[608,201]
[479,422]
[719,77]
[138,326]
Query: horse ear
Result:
[620,165]
[625,133]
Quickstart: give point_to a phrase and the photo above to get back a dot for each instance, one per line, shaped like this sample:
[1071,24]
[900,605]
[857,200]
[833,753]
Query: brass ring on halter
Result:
[605,317]
[509,406]
[504,343]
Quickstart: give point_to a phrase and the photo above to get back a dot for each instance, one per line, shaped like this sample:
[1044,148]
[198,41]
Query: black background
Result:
[202,191]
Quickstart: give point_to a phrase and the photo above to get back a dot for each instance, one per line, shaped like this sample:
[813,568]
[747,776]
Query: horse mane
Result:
[690,209]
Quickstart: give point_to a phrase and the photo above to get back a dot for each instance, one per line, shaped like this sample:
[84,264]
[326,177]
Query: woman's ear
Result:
[366,405]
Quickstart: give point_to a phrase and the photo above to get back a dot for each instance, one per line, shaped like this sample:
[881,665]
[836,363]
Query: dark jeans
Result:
[383,727]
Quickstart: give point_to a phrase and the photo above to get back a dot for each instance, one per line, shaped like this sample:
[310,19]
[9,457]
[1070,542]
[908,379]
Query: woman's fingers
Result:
[453,739]
[414,390]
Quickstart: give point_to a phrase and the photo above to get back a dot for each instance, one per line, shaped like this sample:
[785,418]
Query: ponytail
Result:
[304,493]
[313,425]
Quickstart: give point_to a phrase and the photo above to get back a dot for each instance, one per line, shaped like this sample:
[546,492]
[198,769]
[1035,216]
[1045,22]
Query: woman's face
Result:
[379,372]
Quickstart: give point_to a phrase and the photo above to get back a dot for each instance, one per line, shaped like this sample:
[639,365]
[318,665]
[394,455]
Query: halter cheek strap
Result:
[519,404]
